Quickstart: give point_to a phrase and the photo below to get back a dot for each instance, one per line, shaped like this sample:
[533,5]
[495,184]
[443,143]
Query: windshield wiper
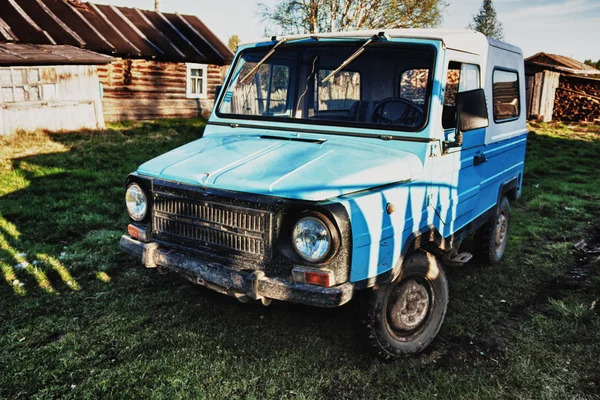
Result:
[354,56]
[253,71]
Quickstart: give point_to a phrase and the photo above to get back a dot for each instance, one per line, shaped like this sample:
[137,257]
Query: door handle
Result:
[479,159]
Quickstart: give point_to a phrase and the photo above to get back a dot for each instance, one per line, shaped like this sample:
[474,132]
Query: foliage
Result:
[487,22]
[593,64]
[121,331]
[233,43]
[317,16]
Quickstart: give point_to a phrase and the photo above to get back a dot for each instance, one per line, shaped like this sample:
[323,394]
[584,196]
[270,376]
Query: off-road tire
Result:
[375,328]
[486,246]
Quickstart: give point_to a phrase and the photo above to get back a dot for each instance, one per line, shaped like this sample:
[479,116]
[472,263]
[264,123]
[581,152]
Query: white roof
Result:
[457,39]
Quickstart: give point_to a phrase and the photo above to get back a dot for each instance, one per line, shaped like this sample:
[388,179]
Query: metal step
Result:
[457,260]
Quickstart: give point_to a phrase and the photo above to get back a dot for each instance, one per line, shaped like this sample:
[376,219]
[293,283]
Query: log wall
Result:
[143,90]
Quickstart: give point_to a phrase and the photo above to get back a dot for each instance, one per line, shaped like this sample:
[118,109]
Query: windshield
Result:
[388,86]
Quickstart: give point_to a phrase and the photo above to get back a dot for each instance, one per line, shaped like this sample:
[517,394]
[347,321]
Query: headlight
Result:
[311,239]
[136,201]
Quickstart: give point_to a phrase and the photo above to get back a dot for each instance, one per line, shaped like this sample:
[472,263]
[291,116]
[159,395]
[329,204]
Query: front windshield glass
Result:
[379,89]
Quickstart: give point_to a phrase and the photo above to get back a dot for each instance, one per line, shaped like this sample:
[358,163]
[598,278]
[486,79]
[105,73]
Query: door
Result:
[457,172]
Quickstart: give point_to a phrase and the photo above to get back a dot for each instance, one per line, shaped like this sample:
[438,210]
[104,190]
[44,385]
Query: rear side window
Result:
[506,95]
[339,93]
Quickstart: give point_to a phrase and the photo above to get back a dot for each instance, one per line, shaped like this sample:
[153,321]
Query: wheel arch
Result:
[427,238]
[510,189]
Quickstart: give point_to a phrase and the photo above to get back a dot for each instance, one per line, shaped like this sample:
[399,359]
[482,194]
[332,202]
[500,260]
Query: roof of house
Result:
[561,63]
[116,31]
[16,54]
[457,39]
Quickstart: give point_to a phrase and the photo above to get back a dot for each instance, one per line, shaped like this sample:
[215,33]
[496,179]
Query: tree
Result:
[234,42]
[315,16]
[593,64]
[487,22]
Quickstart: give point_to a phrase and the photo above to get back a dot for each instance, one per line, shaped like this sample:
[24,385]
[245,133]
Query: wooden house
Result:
[561,88]
[147,64]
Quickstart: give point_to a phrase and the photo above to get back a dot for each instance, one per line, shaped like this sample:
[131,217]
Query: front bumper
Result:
[243,285]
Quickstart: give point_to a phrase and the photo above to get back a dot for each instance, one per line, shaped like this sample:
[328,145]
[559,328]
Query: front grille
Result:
[208,225]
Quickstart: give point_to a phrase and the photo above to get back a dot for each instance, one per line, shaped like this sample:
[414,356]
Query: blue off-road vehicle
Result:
[342,164]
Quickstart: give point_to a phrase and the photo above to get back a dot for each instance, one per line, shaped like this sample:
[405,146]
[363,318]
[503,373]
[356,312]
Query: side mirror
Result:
[218,91]
[472,113]
[472,110]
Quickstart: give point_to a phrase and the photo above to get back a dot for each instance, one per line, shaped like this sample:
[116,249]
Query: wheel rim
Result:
[501,231]
[408,306]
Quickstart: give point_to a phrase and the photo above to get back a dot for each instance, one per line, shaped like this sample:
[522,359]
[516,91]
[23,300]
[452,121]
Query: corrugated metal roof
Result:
[117,31]
[16,54]
[555,60]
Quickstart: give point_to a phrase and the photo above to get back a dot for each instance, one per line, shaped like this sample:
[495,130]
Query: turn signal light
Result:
[313,277]
[317,278]
[137,233]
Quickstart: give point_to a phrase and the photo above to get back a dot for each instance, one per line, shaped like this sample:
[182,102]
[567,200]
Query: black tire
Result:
[489,242]
[383,317]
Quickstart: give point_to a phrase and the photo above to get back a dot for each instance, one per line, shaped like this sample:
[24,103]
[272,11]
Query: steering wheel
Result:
[397,111]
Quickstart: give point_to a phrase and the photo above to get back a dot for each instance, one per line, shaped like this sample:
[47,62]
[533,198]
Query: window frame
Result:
[518,116]
[188,80]
[447,69]
[325,124]
[40,84]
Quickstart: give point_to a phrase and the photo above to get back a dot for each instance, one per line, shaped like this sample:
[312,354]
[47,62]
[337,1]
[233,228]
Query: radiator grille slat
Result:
[212,225]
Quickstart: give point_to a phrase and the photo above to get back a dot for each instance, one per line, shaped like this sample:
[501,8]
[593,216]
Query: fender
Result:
[428,237]
[510,189]
[432,241]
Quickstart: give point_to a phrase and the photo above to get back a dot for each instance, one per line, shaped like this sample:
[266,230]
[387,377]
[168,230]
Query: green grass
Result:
[78,319]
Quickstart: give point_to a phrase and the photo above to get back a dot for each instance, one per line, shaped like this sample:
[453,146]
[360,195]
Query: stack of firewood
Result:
[577,100]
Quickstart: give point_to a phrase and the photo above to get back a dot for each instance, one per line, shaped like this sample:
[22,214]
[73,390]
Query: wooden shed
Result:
[561,88]
[163,64]
[52,87]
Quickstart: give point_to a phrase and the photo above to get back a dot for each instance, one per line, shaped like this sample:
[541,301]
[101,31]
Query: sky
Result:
[566,27]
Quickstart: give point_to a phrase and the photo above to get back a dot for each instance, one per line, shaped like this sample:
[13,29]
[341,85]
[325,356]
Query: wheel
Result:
[490,240]
[401,318]
[397,111]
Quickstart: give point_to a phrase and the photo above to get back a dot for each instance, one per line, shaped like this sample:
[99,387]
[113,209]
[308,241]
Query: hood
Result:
[284,167]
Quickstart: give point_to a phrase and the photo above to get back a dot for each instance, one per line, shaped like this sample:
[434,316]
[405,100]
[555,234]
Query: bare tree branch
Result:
[313,16]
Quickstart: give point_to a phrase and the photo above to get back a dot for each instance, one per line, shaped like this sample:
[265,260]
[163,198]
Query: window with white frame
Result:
[22,84]
[197,77]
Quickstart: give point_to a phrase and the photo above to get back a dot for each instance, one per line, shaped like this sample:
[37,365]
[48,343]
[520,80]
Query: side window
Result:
[506,95]
[469,78]
[413,85]
[461,77]
[339,93]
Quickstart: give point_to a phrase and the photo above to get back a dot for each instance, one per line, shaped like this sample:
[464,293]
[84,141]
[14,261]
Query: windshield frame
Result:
[428,45]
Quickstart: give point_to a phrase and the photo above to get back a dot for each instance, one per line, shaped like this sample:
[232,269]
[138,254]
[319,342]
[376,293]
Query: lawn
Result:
[78,319]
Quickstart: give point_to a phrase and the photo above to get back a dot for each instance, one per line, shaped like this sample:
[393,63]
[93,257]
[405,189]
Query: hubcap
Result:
[501,228]
[408,306]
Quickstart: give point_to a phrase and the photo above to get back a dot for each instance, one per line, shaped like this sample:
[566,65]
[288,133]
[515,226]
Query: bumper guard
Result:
[240,284]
